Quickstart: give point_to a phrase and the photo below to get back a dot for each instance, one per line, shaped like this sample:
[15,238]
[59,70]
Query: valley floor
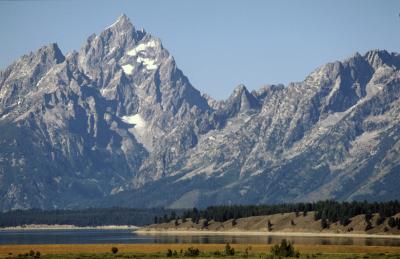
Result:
[206,251]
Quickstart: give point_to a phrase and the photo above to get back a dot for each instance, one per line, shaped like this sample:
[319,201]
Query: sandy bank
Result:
[62,227]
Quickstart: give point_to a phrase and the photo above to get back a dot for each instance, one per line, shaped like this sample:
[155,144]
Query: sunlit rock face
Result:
[118,124]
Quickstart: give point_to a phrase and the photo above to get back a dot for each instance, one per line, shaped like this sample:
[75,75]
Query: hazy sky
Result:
[218,44]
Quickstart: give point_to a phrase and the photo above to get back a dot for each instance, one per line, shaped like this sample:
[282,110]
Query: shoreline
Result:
[144,231]
[260,233]
[65,227]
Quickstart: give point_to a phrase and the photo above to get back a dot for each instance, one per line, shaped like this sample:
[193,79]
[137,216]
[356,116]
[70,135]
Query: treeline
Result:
[332,211]
[82,218]
[328,211]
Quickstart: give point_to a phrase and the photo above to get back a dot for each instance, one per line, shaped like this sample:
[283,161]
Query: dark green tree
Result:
[165,218]
[205,223]
[269,225]
[234,222]
[392,222]
[344,220]
[173,215]
[368,226]
[324,223]
[380,220]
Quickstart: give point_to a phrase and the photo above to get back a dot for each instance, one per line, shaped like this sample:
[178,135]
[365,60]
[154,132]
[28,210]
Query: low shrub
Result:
[191,251]
[229,250]
[114,250]
[285,249]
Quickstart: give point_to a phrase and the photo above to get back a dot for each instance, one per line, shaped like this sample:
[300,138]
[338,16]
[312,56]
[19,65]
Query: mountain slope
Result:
[117,123]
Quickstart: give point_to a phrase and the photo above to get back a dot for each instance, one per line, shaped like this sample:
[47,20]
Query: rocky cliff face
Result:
[117,123]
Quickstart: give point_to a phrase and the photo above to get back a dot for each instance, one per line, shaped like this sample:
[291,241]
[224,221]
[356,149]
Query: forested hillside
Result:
[86,217]
[327,211]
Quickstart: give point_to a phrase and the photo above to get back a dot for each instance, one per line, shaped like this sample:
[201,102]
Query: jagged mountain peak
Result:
[377,58]
[49,53]
[118,122]
[266,90]
[100,58]
[122,27]
[122,20]
[240,100]
[354,71]
[22,77]
[52,51]
[122,23]
[239,90]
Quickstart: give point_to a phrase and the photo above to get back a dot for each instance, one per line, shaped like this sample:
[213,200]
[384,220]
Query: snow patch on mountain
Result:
[141,47]
[148,63]
[128,68]
[140,131]
[135,119]
[117,190]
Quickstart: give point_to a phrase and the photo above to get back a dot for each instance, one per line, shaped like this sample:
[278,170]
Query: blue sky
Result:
[217,44]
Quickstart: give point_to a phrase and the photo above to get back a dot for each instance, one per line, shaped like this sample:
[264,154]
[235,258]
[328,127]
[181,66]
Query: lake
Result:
[97,236]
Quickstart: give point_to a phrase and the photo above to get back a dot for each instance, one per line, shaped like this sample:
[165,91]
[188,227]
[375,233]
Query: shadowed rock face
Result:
[117,123]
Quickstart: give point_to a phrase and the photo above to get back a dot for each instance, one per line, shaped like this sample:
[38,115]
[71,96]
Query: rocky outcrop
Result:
[117,123]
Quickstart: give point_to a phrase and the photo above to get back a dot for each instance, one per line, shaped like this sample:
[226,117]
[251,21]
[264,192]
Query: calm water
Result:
[126,236]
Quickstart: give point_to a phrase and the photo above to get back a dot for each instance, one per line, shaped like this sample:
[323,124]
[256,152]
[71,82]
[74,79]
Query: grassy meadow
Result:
[206,251]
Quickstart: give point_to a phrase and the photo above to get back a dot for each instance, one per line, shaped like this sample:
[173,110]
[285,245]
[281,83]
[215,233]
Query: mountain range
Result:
[118,124]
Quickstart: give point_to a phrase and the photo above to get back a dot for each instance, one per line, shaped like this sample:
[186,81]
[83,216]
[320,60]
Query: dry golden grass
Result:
[155,248]
[282,222]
